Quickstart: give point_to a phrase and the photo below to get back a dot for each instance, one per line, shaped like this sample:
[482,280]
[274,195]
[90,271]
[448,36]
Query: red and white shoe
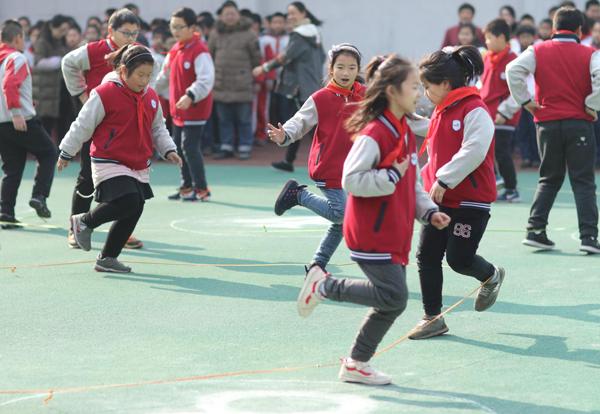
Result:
[310,296]
[362,372]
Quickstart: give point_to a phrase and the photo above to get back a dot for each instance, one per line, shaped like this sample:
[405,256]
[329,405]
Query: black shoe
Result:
[590,245]
[288,197]
[223,155]
[180,192]
[283,166]
[539,240]
[38,203]
[9,222]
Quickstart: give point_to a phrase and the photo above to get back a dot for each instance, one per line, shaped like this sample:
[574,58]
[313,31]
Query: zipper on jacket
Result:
[113,132]
[380,216]
[473,181]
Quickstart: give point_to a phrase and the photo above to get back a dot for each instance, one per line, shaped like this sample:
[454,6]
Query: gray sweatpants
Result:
[385,292]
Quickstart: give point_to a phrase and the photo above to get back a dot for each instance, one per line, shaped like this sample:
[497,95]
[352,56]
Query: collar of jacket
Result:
[565,34]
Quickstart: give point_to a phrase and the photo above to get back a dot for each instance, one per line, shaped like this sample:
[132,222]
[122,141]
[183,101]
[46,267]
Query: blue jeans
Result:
[236,116]
[188,140]
[330,207]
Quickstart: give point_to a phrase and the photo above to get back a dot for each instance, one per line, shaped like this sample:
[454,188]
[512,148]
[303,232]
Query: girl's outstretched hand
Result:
[276,135]
[62,164]
[439,220]
[402,166]
[174,158]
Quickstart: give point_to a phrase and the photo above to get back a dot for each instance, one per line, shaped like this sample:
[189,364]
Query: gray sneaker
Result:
[489,292]
[428,327]
[111,265]
[81,232]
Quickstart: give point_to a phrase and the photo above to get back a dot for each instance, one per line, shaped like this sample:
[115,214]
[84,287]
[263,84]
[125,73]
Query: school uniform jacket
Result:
[495,92]
[460,146]
[124,127]
[382,206]
[188,69]
[15,78]
[567,78]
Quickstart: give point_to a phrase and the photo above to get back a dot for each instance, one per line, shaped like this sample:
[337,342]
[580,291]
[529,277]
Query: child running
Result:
[460,179]
[124,120]
[327,109]
[83,69]
[384,199]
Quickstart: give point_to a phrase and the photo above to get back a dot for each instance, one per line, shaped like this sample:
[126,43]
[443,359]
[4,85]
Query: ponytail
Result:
[459,66]
[131,57]
[302,9]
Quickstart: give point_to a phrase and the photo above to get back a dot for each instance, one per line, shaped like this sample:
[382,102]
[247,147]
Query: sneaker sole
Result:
[356,380]
[430,335]
[39,209]
[303,309]
[589,250]
[279,200]
[99,268]
[502,275]
[282,169]
[537,245]
[134,246]
[75,237]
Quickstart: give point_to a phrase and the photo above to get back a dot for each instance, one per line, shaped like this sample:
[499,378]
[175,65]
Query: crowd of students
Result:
[364,155]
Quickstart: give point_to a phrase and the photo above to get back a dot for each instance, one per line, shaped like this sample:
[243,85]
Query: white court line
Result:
[29,397]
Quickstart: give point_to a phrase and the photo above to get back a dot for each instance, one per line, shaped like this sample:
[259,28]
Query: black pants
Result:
[503,152]
[14,146]
[459,241]
[285,108]
[84,188]
[189,146]
[568,145]
[125,212]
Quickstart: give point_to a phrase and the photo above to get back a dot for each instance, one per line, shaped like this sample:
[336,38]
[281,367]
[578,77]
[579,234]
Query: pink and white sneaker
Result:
[310,296]
[362,372]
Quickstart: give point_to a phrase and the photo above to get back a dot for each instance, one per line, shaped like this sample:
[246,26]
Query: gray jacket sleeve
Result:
[160,135]
[478,136]
[73,65]
[517,72]
[360,175]
[425,206]
[83,128]
[162,80]
[301,123]
[508,107]
[418,124]
[205,77]
[593,100]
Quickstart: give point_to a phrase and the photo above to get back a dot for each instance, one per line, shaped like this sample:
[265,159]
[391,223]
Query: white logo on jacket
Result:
[187,65]
[456,125]
[414,158]
[503,75]
[153,103]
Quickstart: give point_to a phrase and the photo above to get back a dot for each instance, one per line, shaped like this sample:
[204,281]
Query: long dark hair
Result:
[302,9]
[381,72]
[459,66]
[131,57]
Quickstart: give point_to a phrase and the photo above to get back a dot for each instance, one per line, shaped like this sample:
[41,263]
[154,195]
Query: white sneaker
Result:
[362,372]
[309,296]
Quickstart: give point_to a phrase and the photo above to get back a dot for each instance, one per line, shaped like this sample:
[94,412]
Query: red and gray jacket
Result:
[460,144]
[15,77]
[494,89]
[189,70]
[327,110]
[382,206]
[567,78]
[124,126]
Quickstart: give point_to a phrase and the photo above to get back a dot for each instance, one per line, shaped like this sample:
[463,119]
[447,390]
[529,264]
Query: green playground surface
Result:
[207,321]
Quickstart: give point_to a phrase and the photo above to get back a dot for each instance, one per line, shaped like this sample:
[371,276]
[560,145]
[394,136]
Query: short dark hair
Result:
[10,30]
[24,18]
[256,18]
[510,9]
[568,18]
[527,16]
[228,3]
[206,20]
[162,31]
[131,6]
[276,14]
[110,11]
[246,13]
[187,14]
[568,3]
[546,21]
[498,27]
[121,17]
[466,6]
[525,29]
[591,3]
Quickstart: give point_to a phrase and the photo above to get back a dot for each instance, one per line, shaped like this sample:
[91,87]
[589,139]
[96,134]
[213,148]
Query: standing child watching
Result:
[567,96]
[380,173]
[83,69]
[189,73]
[504,110]
[20,131]
[460,179]
[327,110]
[124,120]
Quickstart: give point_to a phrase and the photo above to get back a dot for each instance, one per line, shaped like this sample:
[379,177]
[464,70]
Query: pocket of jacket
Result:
[318,158]
[113,133]
[380,216]
[473,181]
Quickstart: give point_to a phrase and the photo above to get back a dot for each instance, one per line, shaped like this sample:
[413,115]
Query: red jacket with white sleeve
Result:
[382,206]
[460,145]
[189,70]
[15,77]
